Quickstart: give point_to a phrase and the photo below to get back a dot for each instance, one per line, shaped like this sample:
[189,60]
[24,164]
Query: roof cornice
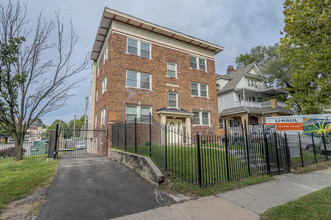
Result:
[110,14]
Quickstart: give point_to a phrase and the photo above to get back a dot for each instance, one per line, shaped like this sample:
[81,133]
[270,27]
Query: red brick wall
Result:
[117,96]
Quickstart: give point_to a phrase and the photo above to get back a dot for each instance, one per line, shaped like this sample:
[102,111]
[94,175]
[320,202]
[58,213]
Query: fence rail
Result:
[206,160]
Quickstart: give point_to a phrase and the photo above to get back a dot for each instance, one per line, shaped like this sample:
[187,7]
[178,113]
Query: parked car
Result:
[80,145]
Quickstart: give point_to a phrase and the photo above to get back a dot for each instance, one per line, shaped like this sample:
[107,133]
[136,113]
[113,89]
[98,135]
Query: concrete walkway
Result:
[244,203]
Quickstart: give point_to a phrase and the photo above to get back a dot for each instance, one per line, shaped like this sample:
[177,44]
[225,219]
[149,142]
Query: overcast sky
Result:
[237,25]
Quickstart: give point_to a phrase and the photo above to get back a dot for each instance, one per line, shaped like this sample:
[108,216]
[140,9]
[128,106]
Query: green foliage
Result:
[79,123]
[306,46]
[52,127]
[3,130]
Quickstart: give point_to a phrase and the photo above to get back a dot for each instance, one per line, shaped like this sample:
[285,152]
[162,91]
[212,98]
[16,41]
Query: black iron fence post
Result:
[150,135]
[313,142]
[277,152]
[324,143]
[135,135]
[302,162]
[165,149]
[247,149]
[118,134]
[226,151]
[267,161]
[288,156]
[56,137]
[199,160]
[125,136]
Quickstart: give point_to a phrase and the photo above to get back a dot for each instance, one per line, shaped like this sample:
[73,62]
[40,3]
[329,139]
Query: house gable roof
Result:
[236,76]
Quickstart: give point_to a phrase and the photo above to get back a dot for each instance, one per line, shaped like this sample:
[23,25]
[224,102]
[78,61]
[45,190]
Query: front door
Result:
[174,130]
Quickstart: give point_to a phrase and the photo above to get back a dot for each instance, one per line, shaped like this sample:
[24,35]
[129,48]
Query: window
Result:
[172,100]
[172,69]
[138,80]
[220,123]
[97,95]
[239,98]
[133,111]
[259,99]
[103,116]
[253,99]
[104,84]
[139,48]
[201,118]
[195,61]
[200,90]
[105,54]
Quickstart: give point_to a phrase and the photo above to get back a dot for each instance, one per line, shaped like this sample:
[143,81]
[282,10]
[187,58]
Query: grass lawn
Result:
[316,205]
[308,158]
[186,188]
[182,162]
[312,167]
[19,178]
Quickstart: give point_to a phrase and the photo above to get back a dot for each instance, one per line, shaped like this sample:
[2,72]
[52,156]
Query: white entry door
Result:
[175,129]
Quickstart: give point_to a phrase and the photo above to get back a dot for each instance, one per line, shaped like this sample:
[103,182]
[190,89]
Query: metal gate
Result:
[81,143]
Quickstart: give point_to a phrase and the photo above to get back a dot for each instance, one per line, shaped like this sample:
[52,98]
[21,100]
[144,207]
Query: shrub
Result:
[9,152]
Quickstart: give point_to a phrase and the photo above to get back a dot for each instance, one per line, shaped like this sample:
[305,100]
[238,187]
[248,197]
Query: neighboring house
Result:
[243,96]
[141,68]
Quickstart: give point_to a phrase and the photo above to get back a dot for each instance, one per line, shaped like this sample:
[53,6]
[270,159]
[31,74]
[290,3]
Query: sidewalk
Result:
[244,203]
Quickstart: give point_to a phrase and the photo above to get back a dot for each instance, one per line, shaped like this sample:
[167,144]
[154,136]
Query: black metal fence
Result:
[33,145]
[81,143]
[205,160]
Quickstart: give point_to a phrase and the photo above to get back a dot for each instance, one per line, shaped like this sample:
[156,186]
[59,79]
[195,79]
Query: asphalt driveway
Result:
[98,188]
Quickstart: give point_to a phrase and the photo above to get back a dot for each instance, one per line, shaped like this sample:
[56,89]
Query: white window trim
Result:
[104,85]
[176,99]
[97,96]
[139,47]
[138,80]
[105,54]
[96,122]
[200,119]
[199,90]
[197,62]
[103,116]
[175,70]
[138,109]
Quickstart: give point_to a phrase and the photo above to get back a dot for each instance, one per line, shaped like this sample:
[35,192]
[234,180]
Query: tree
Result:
[274,69]
[33,82]
[306,46]
[62,126]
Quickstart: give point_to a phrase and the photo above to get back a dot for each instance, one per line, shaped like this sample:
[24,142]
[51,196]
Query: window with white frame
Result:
[103,116]
[105,54]
[138,80]
[172,100]
[139,48]
[199,89]
[171,69]
[201,118]
[133,111]
[104,84]
[97,95]
[198,63]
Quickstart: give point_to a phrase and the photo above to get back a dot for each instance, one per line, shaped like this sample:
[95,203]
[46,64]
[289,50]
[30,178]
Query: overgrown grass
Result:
[308,158]
[19,178]
[316,205]
[184,187]
[312,167]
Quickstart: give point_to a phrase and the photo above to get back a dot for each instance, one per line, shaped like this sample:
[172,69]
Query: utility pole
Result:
[85,116]
[74,132]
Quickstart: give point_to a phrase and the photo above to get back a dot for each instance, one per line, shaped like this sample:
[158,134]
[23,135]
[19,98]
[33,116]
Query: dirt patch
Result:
[27,208]
[168,187]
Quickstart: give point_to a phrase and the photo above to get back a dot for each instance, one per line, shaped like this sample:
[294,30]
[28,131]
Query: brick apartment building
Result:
[141,68]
